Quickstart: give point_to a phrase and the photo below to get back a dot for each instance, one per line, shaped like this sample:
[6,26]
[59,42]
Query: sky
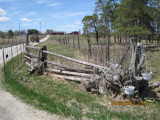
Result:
[59,15]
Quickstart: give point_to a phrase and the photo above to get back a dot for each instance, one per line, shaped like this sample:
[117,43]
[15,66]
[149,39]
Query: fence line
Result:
[9,52]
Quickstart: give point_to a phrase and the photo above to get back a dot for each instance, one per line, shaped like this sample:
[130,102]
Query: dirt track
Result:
[12,108]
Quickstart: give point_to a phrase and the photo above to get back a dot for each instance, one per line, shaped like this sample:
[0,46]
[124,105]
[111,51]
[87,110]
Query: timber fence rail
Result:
[41,60]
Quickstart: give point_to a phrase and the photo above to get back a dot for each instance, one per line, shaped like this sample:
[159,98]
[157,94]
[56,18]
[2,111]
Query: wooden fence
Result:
[109,79]
[85,70]
[75,70]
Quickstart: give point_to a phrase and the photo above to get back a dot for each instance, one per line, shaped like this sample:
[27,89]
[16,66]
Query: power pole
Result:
[19,30]
[40,27]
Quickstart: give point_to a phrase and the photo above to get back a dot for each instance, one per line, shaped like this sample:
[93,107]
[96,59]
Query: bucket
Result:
[147,76]
[129,90]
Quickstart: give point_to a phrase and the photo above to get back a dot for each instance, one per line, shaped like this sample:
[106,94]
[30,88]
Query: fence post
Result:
[78,43]
[44,56]
[4,63]
[68,40]
[27,39]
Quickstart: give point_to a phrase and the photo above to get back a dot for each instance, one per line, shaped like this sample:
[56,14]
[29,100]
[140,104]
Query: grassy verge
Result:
[67,98]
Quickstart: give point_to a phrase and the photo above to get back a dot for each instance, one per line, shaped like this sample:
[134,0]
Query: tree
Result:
[21,32]
[155,4]
[134,17]
[105,9]
[32,32]
[2,34]
[87,29]
[49,31]
[94,23]
[10,34]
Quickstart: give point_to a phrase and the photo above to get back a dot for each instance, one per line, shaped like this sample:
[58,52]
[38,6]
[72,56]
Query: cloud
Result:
[53,4]
[67,14]
[31,14]
[26,19]
[29,24]
[2,11]
[70,26]
[14,13]
[76,13]
[37,19]
[77,23]
[4,19]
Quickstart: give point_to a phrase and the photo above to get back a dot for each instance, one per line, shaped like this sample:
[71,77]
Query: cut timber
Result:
[70,68]
[30,54]
[28,64]
[30,58]
[154,85]
[69,73]
[70,78]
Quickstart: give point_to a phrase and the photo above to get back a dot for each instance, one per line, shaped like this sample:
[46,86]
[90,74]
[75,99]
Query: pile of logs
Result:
[110,79]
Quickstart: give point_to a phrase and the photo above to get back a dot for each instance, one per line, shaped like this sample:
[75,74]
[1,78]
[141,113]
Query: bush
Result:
[34,38]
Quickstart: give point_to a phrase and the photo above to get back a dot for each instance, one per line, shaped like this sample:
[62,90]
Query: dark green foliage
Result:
[3,34]
[32,31]
[10,34]
[134,17]
[127,17]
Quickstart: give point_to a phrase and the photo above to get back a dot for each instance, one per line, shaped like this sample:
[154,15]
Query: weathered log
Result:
[69,73]
[141,63]
[124,56]
[74,60]
[31,54]
[28,64]
[70,78]
[155,85]
[30,59]
[32,47]
[70,68]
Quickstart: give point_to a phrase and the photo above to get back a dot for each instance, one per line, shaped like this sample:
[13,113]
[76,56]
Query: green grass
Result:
[60,98]
[68,99]
[60,49]
[153,62]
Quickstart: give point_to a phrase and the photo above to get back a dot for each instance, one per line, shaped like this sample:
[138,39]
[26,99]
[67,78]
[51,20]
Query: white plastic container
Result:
[129,90]
[147,76]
